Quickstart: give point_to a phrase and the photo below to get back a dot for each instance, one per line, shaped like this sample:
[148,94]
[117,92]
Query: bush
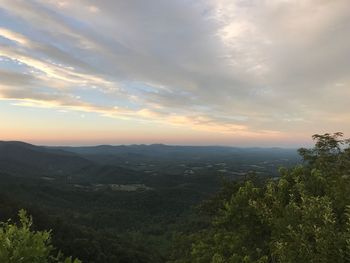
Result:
[18,243]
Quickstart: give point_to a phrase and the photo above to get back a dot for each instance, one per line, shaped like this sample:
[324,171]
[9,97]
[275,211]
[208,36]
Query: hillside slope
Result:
[23,159]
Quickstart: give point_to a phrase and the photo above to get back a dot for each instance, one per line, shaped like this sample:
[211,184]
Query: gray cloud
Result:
[9,78]
[264,65]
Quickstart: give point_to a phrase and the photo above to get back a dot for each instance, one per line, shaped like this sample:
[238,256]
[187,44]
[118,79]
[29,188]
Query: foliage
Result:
[21,244]
[61,190]
[302,216]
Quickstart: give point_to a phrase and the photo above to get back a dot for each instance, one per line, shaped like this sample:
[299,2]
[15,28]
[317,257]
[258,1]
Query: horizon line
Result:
[152,144]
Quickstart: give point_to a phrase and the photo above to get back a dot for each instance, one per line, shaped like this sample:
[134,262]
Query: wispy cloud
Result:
[237,67]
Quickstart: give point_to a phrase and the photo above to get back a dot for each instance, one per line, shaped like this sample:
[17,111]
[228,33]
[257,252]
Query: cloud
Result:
[9,78]
[13,36]
[233,66]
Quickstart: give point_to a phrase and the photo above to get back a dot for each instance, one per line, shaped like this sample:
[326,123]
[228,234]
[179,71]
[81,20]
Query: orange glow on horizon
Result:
[79,137]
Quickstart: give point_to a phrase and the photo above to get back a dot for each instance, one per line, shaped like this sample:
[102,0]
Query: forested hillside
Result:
[304,216]
[301,216]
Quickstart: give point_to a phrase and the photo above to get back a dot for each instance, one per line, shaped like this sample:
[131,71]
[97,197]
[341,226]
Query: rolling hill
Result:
[23,159]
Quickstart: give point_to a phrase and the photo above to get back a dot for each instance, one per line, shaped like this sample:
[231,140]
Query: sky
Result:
[186,72]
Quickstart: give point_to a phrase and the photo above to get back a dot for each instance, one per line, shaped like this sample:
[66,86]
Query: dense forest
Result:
[303,216]
[194,208]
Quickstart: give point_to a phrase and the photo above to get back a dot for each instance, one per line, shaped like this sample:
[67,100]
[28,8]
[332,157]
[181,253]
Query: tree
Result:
[301,217]
[18,243]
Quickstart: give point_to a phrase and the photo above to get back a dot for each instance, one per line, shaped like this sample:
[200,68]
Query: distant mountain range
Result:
[154,149]
[131,163]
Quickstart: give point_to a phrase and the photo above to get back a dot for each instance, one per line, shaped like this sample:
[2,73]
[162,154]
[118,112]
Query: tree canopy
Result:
[19,243]
[301,216]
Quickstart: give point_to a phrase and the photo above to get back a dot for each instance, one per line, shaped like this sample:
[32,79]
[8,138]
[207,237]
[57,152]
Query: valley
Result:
[125,202]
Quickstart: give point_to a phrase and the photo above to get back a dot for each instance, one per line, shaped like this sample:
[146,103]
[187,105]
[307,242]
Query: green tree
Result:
[18,243]
[303,216]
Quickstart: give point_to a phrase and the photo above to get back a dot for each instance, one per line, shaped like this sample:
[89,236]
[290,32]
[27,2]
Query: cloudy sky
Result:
[224,72]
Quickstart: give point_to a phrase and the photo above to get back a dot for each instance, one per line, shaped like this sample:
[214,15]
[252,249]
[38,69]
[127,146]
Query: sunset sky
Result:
[188,72]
